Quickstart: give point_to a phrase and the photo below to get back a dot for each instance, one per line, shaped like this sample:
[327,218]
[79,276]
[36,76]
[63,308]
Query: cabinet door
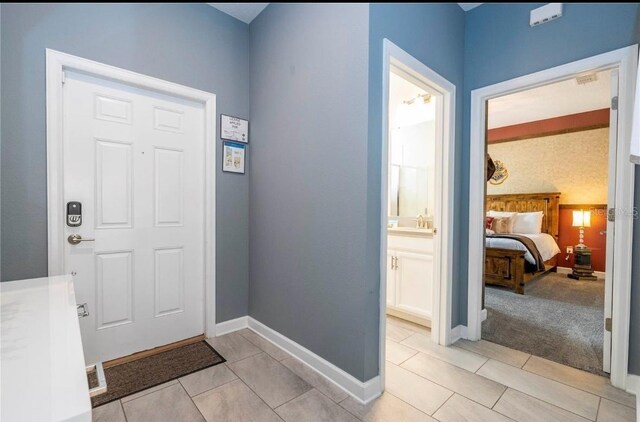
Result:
[391,279]
[414,279]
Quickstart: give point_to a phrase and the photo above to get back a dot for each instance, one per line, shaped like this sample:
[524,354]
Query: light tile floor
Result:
[470,381]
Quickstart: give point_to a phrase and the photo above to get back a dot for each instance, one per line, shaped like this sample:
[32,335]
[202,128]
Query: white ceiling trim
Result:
[246,12]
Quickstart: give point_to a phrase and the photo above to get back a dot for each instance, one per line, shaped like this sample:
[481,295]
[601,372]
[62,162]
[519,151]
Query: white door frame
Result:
[626,61]
[57,63]
[441,332]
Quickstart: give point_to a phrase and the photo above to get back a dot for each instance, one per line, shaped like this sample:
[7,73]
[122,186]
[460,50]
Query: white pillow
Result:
[528,222]
[489,231]
[492,213]
[504,214]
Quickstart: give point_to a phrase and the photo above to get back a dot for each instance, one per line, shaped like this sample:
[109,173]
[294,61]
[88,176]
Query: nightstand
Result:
[582,265]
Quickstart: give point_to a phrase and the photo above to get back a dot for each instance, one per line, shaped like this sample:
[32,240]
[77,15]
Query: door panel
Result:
[135,160]
[611,201]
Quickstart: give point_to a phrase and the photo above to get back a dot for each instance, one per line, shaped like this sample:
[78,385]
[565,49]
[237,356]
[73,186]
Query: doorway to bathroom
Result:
[416,208]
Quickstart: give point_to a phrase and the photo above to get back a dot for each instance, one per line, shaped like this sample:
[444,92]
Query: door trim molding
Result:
[56,64]
[626,61]
[441,330]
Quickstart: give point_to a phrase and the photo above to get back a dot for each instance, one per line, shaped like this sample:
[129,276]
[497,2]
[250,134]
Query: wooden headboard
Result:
[547,202]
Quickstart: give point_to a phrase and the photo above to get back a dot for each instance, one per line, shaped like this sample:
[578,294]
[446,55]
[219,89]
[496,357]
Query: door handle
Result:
[75,239]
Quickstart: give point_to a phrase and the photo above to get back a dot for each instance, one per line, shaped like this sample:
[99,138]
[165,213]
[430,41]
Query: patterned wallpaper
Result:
[574,164]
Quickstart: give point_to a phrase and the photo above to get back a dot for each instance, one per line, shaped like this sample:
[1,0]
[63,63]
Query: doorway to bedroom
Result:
[617,213]
[546,204]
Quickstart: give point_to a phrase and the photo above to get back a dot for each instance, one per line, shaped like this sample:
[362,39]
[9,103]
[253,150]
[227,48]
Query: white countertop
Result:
[410,231]
[43,375]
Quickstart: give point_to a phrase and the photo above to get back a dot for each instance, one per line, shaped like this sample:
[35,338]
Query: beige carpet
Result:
[557,318]
[129,378]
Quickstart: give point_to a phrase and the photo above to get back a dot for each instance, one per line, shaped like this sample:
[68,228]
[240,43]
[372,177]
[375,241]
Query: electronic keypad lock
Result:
[74,214]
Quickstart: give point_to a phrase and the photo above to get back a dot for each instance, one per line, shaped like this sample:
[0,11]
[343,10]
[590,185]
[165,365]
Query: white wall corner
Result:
[633,387]
[232,325]
[363,392]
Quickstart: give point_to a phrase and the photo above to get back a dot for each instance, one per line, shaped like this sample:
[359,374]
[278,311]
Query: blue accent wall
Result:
[500,45]
[310,277]
[190,44]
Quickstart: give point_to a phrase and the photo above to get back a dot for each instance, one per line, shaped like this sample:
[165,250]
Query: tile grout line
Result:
[191,398]
[349,412]
[443,403]
[578,388]
[526,361]
[554,405]
[123,412]
[598,411]
[490,357]
[450,363]
[206,391]
[494,404]
[258,395]
[482,366]
[264,351]
[544,401]
[169,384]
[551,379]
[455,392]
[413,355]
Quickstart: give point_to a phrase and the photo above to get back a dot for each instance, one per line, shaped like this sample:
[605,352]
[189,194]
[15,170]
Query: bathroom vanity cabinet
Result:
[410,275]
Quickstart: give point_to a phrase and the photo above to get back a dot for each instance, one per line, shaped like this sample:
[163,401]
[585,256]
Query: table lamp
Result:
[582,261]
[581,219]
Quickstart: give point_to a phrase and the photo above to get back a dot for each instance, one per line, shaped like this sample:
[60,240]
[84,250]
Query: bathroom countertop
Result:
[410,231]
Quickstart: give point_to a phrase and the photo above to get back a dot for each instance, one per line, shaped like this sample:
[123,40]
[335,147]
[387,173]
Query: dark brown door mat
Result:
[132,377]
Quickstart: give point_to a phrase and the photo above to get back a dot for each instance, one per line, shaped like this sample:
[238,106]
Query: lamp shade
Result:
[581,218]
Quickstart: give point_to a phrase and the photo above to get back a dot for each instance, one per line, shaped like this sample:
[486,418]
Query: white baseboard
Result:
[458,332]
[363,392]
[232,325]
[633,387]
[567,270]
[483,315]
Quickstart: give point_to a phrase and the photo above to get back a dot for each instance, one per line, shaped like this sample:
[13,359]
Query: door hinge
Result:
[614,103]
[607,324]
[64,77]
[611,214]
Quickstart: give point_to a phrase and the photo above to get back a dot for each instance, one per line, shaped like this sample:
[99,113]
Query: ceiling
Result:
[468,6]
[553,100]
[246,12]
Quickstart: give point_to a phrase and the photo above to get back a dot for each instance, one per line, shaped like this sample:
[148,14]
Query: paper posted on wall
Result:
[233,157]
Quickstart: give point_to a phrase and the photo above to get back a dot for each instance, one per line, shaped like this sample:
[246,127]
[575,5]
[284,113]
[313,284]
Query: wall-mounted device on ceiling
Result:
[545,14]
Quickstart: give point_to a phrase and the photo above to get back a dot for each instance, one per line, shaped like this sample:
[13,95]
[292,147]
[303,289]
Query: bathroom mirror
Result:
[411,149]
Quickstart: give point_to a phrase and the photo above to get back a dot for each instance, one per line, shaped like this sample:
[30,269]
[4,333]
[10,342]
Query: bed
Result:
[508,261]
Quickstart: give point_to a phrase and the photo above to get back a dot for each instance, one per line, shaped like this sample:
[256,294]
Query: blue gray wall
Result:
[500,45]
[433,34]
[190,44]
[309,276]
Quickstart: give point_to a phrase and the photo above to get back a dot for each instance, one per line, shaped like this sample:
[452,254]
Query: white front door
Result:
[134,159]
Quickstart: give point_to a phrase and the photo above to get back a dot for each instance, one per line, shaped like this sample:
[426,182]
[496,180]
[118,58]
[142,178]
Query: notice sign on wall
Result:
[233,157]
[234,129]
